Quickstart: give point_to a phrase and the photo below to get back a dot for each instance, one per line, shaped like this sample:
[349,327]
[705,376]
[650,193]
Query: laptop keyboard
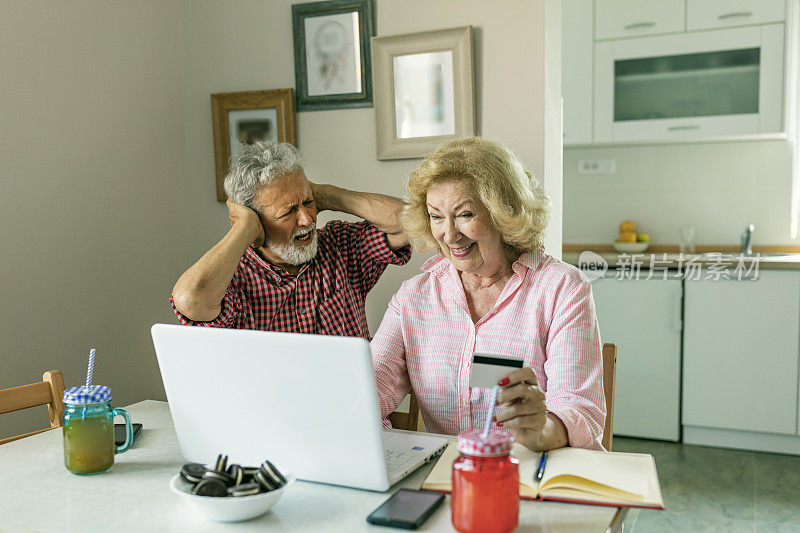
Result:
[400,460]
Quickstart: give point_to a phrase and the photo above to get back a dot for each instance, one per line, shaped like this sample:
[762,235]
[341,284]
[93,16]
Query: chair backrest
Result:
[609,377]
[411,421]
[49,391]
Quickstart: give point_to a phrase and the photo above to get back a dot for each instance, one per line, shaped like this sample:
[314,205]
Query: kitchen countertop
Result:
[676,261]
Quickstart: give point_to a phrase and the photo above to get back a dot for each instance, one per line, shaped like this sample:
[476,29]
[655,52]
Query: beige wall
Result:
[92,192]
[235,46]
[107,161]
[716,187]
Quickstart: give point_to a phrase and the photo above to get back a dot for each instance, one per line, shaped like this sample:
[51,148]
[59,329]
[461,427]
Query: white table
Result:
[38,494]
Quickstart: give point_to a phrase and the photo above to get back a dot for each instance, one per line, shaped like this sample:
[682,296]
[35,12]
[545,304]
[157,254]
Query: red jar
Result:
[485,484]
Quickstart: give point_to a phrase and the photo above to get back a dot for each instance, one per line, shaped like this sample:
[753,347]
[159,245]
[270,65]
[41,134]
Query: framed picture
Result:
[331,54]
[423,91]
[246,117]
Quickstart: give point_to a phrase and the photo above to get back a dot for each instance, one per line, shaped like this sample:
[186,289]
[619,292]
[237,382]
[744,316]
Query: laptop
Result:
[308,403]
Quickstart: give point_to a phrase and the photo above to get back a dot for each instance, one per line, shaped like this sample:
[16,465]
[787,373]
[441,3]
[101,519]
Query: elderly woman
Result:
[490,290]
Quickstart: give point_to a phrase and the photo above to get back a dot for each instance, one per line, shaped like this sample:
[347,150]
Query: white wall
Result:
[716,187]
[93,198]
[247,45]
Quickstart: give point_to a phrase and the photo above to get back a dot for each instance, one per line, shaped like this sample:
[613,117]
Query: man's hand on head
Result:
[318,192]
[249,220]
[380,210]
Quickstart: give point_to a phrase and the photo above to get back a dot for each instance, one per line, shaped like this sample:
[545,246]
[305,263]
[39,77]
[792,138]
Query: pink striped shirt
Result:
[544,315]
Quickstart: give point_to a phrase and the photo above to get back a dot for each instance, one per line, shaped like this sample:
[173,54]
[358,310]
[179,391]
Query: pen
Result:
[542,462]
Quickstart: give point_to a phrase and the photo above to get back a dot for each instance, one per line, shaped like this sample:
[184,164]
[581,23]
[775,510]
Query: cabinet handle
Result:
[637,25]
[682,128]
[735,15]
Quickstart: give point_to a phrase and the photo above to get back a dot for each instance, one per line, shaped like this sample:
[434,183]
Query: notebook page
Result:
[528,465]
[440,477]
[629,472]
[582,489]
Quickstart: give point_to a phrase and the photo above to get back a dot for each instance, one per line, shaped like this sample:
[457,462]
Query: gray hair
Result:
[258,164]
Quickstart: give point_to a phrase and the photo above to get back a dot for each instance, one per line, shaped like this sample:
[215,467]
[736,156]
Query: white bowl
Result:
[631,247]
[229,509]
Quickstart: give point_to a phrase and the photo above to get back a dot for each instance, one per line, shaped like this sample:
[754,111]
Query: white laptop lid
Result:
[308,403]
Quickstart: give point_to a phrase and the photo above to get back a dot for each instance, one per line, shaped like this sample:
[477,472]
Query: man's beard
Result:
[294,253]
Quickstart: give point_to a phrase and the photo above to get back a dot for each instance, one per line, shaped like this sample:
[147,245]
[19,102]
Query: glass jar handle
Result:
[128,429]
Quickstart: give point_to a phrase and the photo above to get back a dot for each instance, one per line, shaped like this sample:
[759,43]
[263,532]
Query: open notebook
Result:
[573,475]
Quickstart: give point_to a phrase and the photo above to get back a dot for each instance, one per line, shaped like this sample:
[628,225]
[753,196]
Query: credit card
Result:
[487,370]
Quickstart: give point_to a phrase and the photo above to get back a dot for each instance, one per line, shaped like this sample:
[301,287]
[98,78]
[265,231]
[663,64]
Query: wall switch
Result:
[597,166]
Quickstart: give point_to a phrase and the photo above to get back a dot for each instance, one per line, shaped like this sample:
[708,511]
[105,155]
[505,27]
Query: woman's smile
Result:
[463,251]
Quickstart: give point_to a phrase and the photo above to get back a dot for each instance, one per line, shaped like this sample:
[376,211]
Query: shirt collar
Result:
[435,264]
[529,260]
[273,273]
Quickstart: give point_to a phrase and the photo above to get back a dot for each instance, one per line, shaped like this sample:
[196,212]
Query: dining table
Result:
[39,494]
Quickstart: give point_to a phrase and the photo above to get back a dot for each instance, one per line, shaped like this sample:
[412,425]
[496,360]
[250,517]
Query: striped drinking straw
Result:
[490,414]
[90,369]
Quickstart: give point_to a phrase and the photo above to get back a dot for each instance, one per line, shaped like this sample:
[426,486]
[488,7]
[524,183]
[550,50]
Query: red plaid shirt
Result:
[326,297]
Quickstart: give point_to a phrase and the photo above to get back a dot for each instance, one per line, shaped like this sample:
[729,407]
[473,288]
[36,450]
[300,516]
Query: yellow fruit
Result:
[643,237]
[627,226]
[627,236]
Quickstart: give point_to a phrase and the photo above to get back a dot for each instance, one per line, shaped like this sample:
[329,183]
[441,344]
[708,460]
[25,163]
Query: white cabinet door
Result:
[629,18]
[699,85]
[740,353]
[709,14]
[644,318]
[576,70]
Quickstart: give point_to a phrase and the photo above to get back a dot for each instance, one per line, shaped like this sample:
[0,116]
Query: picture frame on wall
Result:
[424,91]
[332,60]
[245,117]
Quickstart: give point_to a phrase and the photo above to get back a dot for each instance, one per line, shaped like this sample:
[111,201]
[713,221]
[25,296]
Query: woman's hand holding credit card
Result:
[521,407]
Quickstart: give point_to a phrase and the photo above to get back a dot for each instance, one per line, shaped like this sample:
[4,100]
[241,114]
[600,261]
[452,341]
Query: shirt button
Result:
[464,402]
[302,311]
[466,364]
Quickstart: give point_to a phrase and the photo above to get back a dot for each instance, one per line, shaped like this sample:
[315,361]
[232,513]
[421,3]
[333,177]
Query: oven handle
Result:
[735,15]
[637,25]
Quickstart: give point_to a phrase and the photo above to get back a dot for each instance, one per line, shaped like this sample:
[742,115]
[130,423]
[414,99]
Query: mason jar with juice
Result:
[89,429]
[485,484]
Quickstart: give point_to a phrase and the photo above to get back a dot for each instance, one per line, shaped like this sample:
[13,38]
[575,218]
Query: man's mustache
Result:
[302,233]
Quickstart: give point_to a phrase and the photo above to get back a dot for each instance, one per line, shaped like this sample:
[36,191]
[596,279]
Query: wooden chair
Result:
[412,421]
[609,378]
[49,391]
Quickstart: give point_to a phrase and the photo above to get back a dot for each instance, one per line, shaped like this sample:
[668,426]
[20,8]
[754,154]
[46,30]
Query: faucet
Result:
[746,238]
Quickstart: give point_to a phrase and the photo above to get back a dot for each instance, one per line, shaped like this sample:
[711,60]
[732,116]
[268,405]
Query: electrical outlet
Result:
[597,166]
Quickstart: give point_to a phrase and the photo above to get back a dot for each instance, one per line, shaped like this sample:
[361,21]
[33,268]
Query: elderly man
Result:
[274,270]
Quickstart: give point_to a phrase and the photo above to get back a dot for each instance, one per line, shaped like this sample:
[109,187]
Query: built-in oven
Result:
[690,85]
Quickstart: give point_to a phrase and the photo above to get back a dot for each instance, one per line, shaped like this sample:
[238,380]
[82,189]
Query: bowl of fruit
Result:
[630,242]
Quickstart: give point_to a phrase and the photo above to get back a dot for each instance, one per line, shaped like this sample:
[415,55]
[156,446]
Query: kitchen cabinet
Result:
[630,18]
[690,86]
[740,354]
[576,70]
[673,70]
[712,14]
[644,318]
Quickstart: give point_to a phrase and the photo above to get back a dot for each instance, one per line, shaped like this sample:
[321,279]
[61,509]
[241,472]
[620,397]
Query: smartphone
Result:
[119,433]
[406,509]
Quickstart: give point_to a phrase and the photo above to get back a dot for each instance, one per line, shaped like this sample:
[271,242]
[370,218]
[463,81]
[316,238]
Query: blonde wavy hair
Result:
[518,206]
